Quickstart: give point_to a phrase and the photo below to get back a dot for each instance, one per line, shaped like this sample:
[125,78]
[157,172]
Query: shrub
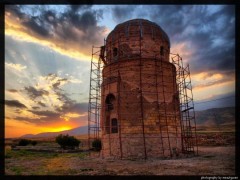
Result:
[97,144]
[66,141]
[34,143]
[24,142]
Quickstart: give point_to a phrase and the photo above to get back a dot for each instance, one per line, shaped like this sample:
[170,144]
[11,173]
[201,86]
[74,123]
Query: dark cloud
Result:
[12,90]
[15,10]
[35,107]
[210,36]
[55,82]
[51,116]
[32,120]
[76,8]
[34,93]
[52,77]
[41,104]
[44,113]
[37,25]
[207,30]
[216,59]
[67,102]
[79,108]
[43,117]
[14,103]
[58,83]
[78,23]
[121,13]
[18,111]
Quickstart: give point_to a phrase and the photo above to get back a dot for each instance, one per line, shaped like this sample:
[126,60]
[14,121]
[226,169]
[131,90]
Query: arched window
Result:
[115,52]
[162,51]
[109,102]
[114,125]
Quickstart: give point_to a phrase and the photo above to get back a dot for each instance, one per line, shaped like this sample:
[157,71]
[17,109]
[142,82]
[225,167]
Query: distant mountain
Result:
[209,117]
[71,132]
[216,116]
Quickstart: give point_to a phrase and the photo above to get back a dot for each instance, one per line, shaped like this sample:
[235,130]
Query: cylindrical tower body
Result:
[140,106]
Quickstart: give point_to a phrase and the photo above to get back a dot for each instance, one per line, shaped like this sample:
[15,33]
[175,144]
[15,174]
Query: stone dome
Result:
[137,38]
[145,27]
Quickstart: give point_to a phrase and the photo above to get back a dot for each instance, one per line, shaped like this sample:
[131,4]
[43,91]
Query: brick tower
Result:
[140,113]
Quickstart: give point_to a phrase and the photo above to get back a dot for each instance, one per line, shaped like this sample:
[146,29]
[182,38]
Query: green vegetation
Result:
[81,155]
[66,141]
[24,162]
[97,144]
[28,154]
[17,170]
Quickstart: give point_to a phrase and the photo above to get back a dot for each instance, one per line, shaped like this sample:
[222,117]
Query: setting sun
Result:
[57,129]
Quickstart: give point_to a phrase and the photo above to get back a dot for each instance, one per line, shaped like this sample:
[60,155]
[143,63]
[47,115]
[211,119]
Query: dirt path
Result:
[211,161]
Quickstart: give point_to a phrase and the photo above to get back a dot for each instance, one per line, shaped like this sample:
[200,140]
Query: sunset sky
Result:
[48,52]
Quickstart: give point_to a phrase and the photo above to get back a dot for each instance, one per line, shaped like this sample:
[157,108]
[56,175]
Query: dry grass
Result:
[211,161]
[214,159]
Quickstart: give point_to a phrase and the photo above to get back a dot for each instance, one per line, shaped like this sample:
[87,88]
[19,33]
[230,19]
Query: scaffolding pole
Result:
[188,123]
[94,105]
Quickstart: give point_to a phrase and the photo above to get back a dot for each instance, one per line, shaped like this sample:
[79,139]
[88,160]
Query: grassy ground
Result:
[211,161]
[24,162]
[216,157]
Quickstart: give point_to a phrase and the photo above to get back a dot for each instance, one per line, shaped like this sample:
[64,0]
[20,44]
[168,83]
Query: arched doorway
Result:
[109,107]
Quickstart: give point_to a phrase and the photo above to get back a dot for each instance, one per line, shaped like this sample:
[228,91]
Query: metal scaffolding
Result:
[94,105]
[184,109]
[188,123]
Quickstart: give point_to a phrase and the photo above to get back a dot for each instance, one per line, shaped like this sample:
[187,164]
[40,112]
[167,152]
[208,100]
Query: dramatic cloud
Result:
[209,36]
[14,103]
[35,107]
[206,34]
[44,113]
[17,67]
[47,88]
[77,111]
[206,79]
[49,101]
[34,93]
[41,104]
[121,13]
[81,108]
[71,33]
[70,115]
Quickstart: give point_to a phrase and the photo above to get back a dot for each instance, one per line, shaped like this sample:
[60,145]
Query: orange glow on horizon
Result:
[57,129]
[15,128]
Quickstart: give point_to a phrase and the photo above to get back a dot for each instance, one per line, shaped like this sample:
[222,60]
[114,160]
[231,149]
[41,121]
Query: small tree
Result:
[97,144]
[25,142]
[66,141]
[34,143]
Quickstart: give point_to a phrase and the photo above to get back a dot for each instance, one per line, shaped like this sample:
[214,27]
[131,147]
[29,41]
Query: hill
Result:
[72,132]
[216,116]
[209,117]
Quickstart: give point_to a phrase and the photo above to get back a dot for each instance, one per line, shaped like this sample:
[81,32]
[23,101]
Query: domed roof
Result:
[143,23]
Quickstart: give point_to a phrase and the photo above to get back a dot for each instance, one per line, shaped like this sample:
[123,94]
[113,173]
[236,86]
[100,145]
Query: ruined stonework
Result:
[140,115]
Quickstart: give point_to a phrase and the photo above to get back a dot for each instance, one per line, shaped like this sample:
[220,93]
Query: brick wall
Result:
[143,84]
